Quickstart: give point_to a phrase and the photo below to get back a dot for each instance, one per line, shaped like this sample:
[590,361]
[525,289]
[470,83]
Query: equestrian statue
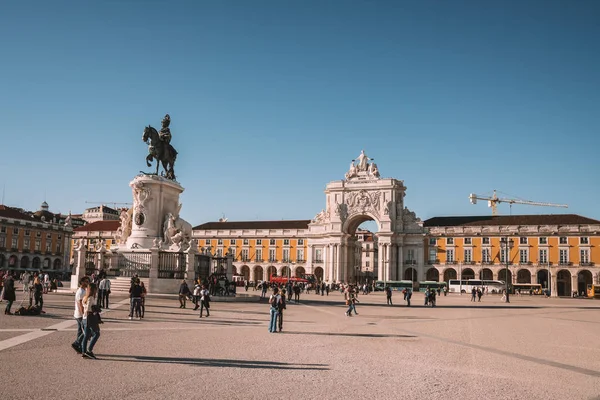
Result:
[160,149]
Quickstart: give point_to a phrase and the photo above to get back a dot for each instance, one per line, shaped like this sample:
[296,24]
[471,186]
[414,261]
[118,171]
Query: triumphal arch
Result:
[362,196]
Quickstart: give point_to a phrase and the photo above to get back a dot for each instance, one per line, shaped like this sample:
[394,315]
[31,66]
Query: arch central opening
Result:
[363,245]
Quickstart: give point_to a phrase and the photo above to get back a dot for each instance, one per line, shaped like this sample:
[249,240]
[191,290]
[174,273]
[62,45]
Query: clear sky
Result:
[270,100]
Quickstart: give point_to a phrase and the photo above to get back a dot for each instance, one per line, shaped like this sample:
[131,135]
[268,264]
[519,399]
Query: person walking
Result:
[274,301]
[184,291]
[91,326]
[204,301]
[408,297]
[197,290]
[8,293]
[473,294]
[78,314]
[388,295]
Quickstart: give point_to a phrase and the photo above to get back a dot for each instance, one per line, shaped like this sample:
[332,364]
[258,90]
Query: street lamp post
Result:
[506,245]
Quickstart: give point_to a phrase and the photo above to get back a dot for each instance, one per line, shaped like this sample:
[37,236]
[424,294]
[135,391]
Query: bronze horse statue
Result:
[160,151]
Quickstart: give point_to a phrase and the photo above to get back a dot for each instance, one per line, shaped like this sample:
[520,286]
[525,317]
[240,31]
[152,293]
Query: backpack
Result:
[276,302]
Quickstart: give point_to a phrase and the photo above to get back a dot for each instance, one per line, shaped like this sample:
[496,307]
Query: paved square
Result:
[534,348]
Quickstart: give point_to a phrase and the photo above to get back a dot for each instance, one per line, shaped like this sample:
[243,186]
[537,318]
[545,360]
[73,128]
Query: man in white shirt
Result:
[78,314]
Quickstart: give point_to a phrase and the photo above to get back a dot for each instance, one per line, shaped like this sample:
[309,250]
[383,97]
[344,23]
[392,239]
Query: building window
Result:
[543,256]
[14,243]
[449,256]
[48,247]
[523,256]
[272,242]
[272,255]
[300,242]
[246,242]
[220,242]
[232,242]
[563,240]
[300,255]
[49,235]
[38,244]
[2,229]
[522,240]
[467,255]
[26,244]
[259,242]
[543,240]
[584,240]
[2,241]
[38,234]
[485,240]
[485,255]
[432,255]
[468,241]
[432,241]
[232,251]
[449,240]
[584,256]
[208,242]
[245,255]
[219,252]
[59,237]
[58,247]
[286,255]
[503,255]
[319,255]
[563,256]
[15,231]
[286,242]
[27,232]
[367,246]
[259,255]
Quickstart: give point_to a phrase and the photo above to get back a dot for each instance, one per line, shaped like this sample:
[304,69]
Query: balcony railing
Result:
[525,263]
[436,261]
[586,264]
[272,260]
[258,260]
[450,262]
[410,262]
[300,260]
[565,263]
[318,261]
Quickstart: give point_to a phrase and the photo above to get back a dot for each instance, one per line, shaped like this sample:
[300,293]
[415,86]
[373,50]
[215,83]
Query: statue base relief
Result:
[154,197]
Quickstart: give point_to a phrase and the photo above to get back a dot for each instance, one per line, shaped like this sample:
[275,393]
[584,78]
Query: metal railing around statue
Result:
[171,265]
[134,263]
[201,266]
[91,259]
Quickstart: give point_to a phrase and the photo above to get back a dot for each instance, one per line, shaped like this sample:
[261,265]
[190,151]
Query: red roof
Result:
[548,219]
[289,224]
[105,226]
[10,212]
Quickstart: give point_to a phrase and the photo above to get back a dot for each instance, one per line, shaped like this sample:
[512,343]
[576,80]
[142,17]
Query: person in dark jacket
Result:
[9,293]
[135,294]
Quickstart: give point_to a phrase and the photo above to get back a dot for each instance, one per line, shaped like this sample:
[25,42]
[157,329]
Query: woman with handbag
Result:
[91,317]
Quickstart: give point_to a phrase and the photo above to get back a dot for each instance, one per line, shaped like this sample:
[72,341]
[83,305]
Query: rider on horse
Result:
[165,132]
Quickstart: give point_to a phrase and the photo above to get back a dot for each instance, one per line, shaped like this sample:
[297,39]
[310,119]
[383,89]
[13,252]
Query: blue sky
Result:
[270,101]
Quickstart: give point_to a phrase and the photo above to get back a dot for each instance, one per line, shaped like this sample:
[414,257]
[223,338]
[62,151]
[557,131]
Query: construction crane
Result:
[494,200]
[115,204]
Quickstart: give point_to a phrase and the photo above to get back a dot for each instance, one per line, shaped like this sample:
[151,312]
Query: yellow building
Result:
[38,241]
[474,247]
[260,248]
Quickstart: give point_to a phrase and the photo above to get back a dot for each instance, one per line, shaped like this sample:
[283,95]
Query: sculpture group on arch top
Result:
[365,200]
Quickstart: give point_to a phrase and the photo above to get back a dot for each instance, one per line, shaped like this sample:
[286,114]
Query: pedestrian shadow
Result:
[213,362]
[196,320]
[365,335]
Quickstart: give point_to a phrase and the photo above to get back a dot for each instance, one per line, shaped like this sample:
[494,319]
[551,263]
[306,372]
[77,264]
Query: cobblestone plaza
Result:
[535,347]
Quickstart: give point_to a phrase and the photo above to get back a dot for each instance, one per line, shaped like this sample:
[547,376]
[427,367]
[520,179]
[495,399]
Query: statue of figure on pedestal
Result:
[177,231]
[160,148]
[373,170]
[125,229]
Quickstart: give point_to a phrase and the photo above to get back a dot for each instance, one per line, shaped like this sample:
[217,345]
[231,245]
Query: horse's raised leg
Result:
[148,159]
[157,165]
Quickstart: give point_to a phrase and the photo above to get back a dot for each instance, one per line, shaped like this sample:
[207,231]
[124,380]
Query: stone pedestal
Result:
[154,197]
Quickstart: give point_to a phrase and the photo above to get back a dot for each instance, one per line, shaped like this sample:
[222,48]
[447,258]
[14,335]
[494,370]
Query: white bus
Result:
[466,285]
